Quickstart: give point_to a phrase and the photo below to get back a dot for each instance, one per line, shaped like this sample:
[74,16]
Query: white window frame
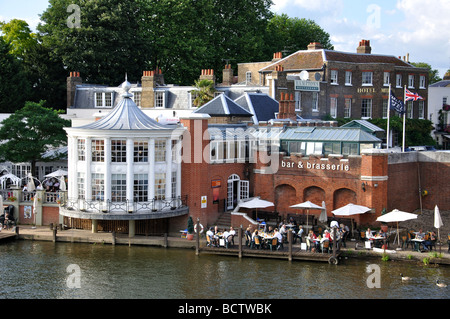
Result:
[315,102]
[421,110]
[369,107]
[248,77]
[160,99]
[348,108]
[104,97]
[398,80]
[411,81]
[137,98]
[422,82]
[409,109]
[298,101]
[367,78]
[334,77]
[348,78]
[386,78]
[333,107]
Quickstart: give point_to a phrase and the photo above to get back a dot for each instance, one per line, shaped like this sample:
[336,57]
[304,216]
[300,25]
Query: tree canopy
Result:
[30,132]
[114,37]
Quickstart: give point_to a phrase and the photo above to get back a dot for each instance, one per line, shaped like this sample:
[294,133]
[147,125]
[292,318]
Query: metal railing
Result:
[108,206]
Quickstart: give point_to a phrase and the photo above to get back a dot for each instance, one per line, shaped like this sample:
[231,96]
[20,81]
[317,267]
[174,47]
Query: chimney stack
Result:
[364,47]
[208,74]
[277,56]
[287,107]
[315,46]
[150,80]
[227,75]
[73,80]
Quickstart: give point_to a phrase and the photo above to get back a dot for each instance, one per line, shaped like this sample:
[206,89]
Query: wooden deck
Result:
[295,254]
[6,236]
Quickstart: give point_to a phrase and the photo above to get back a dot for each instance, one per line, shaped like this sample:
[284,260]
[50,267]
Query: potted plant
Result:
[190,229]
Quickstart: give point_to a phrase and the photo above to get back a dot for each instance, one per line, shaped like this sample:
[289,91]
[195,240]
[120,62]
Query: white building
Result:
[439,111]
[125,166]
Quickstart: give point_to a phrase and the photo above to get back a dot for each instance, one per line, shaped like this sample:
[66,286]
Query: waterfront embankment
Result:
[438,256]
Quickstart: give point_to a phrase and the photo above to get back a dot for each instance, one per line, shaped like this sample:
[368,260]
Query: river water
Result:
[47,270]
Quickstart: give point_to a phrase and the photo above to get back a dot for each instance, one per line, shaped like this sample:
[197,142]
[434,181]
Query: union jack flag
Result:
[410,96]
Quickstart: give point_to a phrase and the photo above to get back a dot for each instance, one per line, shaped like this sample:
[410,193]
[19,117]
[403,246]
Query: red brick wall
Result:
[407,174]
[300,179]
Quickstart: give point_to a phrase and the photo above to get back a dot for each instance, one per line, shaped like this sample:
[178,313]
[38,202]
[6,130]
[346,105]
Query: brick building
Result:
[340,84]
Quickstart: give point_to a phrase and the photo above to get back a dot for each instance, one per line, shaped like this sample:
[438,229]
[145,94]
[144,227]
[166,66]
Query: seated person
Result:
[299,234]
[310,240]
[278,235]
[430,241]
[420,235]
[369,234]
[210,234]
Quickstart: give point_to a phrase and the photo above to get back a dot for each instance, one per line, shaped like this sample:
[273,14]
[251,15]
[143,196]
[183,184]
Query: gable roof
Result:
[365,125]
[222,105]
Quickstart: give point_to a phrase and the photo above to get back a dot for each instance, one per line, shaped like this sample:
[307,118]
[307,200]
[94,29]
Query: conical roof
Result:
[127,116]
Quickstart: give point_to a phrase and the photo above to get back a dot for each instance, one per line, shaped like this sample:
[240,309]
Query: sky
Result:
[394,27]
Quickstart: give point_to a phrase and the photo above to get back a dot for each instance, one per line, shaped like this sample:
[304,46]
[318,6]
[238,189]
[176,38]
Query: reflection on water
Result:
[39,270]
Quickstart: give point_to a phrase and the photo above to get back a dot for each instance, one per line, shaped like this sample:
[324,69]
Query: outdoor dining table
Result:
[417,243]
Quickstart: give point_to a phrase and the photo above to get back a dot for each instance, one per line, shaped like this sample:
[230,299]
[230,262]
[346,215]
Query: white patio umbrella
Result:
[1,204]
[323,215]
[62,184]
[396,216]
[256,203]
[350,209]
[14,179]
[58,173]
[35,202]
[30,183]
[307,205]
[438,222]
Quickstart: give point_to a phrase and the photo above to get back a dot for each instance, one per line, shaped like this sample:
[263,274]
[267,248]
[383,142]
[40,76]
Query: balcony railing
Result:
[108,206]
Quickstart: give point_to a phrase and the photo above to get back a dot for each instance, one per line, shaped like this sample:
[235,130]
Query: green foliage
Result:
[385,257]
[14,86]
[17,33]
[292,34]
[426,261]
[418,132]
[433,75]
[31,131]
[204,92]
[190,225]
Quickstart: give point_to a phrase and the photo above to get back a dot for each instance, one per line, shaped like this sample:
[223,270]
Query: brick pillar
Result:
[374,176]
[195,166]
[227,75]
[150,79]
[73,80]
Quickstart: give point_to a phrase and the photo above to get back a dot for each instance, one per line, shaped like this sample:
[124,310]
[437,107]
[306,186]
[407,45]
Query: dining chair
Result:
[274,243]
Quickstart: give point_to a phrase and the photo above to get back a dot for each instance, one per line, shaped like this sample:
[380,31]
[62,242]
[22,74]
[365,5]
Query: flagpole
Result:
[388,116]
[404,119]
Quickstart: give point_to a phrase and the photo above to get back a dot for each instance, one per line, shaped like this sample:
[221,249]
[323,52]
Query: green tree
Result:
[204,92]
[18,34]
[292,34]
[30,132]
[109,43]
[14,85]
[433,74]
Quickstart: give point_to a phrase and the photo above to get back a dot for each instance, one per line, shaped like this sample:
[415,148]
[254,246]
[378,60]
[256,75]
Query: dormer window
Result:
[103,99]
